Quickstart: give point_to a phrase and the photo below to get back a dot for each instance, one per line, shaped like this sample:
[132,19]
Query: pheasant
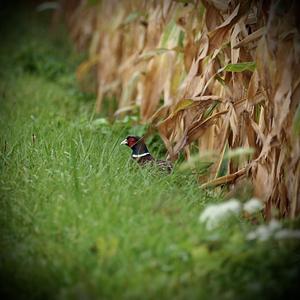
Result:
[141,154]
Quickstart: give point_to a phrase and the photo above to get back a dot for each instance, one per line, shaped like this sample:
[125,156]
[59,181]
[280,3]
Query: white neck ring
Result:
[140,155]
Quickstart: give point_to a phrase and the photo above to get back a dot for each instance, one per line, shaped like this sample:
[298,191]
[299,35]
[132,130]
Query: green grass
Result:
[79,220]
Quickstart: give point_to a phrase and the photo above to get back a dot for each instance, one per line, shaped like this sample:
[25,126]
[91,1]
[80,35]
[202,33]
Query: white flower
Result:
[264,232]
[253,205]
[274,225]
[273,229]
[287,234]
[215,213]
[252,235]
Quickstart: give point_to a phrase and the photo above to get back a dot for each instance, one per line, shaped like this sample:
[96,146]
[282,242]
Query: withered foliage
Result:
[219,74]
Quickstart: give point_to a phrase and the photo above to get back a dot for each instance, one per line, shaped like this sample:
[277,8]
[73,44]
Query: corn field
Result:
[221,77]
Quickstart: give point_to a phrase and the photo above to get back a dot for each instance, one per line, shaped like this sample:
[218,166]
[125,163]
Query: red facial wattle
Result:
[131,142]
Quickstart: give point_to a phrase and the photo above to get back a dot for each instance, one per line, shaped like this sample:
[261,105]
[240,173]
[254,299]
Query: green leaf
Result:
[200,166]
[200,163]
[167,32]
[172,36]
[211,108]
[181,39]
[183,104]
[93,2]
[238,152]
[220,79]
[152,53]
[296,122]
[240,67]
[132,17]
[100,121]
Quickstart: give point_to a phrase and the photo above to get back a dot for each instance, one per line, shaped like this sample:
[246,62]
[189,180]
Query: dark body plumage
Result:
[142,156]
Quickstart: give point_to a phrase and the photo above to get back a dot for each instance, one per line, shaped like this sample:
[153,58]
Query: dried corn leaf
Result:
[222,74]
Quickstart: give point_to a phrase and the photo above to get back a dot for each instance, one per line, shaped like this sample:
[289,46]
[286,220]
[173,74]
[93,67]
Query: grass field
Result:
[80,221]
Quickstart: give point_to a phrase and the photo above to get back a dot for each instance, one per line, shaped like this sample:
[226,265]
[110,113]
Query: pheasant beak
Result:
[125,142]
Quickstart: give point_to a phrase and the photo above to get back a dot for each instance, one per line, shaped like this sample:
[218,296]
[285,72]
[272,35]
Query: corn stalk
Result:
[228,74]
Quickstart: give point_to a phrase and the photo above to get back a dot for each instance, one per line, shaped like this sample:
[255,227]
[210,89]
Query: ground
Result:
[80,220]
